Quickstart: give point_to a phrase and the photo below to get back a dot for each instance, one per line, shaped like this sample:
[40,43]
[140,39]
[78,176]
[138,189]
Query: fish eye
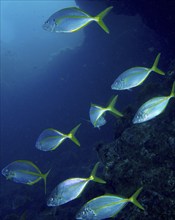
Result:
[6,171]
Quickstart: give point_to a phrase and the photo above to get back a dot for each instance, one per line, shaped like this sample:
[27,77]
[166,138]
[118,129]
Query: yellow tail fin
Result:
[155,68]
[71,135]
[133,198]
[112,109]
[44,178]
[93,175]
[99,19]
[173,90]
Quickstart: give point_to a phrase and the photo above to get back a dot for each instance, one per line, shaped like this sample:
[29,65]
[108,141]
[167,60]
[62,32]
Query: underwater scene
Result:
[87,110]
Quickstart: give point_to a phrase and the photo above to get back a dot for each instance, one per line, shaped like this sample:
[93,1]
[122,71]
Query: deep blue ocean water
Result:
[50,80]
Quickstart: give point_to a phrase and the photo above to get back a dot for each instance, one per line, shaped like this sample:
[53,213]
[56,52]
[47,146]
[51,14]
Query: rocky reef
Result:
[143,155]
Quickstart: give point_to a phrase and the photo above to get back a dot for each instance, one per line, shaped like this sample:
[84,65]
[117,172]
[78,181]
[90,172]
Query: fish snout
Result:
[5,172]
[134,120]
[50,202]
[113,86]
[137,119]
[46,26]
[78,216]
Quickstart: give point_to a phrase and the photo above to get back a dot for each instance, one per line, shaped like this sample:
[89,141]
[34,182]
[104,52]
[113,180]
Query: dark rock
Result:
[144,155]
[159,16]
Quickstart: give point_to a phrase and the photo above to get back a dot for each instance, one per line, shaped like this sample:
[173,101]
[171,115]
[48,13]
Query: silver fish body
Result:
[96,114]
[106,206]
[151,109]
[130,78]
[71,188]
[101,208]
[67,20]
[135,76]
[72,19]
[67,191]
[16,171]
[49,139]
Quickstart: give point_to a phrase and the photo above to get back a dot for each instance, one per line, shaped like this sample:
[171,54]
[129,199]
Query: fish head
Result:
[49,25]
[137,119]
[119,84]
[140,117]
[53,200]
[9,174]
[86,213]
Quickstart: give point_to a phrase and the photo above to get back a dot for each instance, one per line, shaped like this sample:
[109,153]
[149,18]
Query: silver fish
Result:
[50,139]
[72,19]
[135,76]
[97,116]
[71,188]
[106,206]
[153,107]
[24,171]
[96,113]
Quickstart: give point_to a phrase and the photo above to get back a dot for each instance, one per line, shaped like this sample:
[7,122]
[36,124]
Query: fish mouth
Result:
[78,217]
[113,86]
[44,26]
[137,120]
[134,121]
[49,203]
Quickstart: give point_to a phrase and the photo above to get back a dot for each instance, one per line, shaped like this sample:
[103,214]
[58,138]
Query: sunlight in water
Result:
[25,44]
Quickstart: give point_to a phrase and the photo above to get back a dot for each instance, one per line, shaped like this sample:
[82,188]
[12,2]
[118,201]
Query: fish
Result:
[72,188]
[97,113]
[106,206]
[72,19]
[153,107]
[25,172]
[50,139]
[135,76]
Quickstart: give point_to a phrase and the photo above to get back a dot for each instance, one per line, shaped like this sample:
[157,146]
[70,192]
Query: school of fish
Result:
[70,20]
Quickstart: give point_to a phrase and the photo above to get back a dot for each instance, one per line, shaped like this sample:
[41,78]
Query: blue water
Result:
[49,80]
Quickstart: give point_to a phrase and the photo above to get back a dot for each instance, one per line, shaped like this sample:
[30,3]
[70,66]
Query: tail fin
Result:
[45,177]
[155,68]
[93,175]
[71,135]
[133,198]
[173,90]
[99,19]
[112,109]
